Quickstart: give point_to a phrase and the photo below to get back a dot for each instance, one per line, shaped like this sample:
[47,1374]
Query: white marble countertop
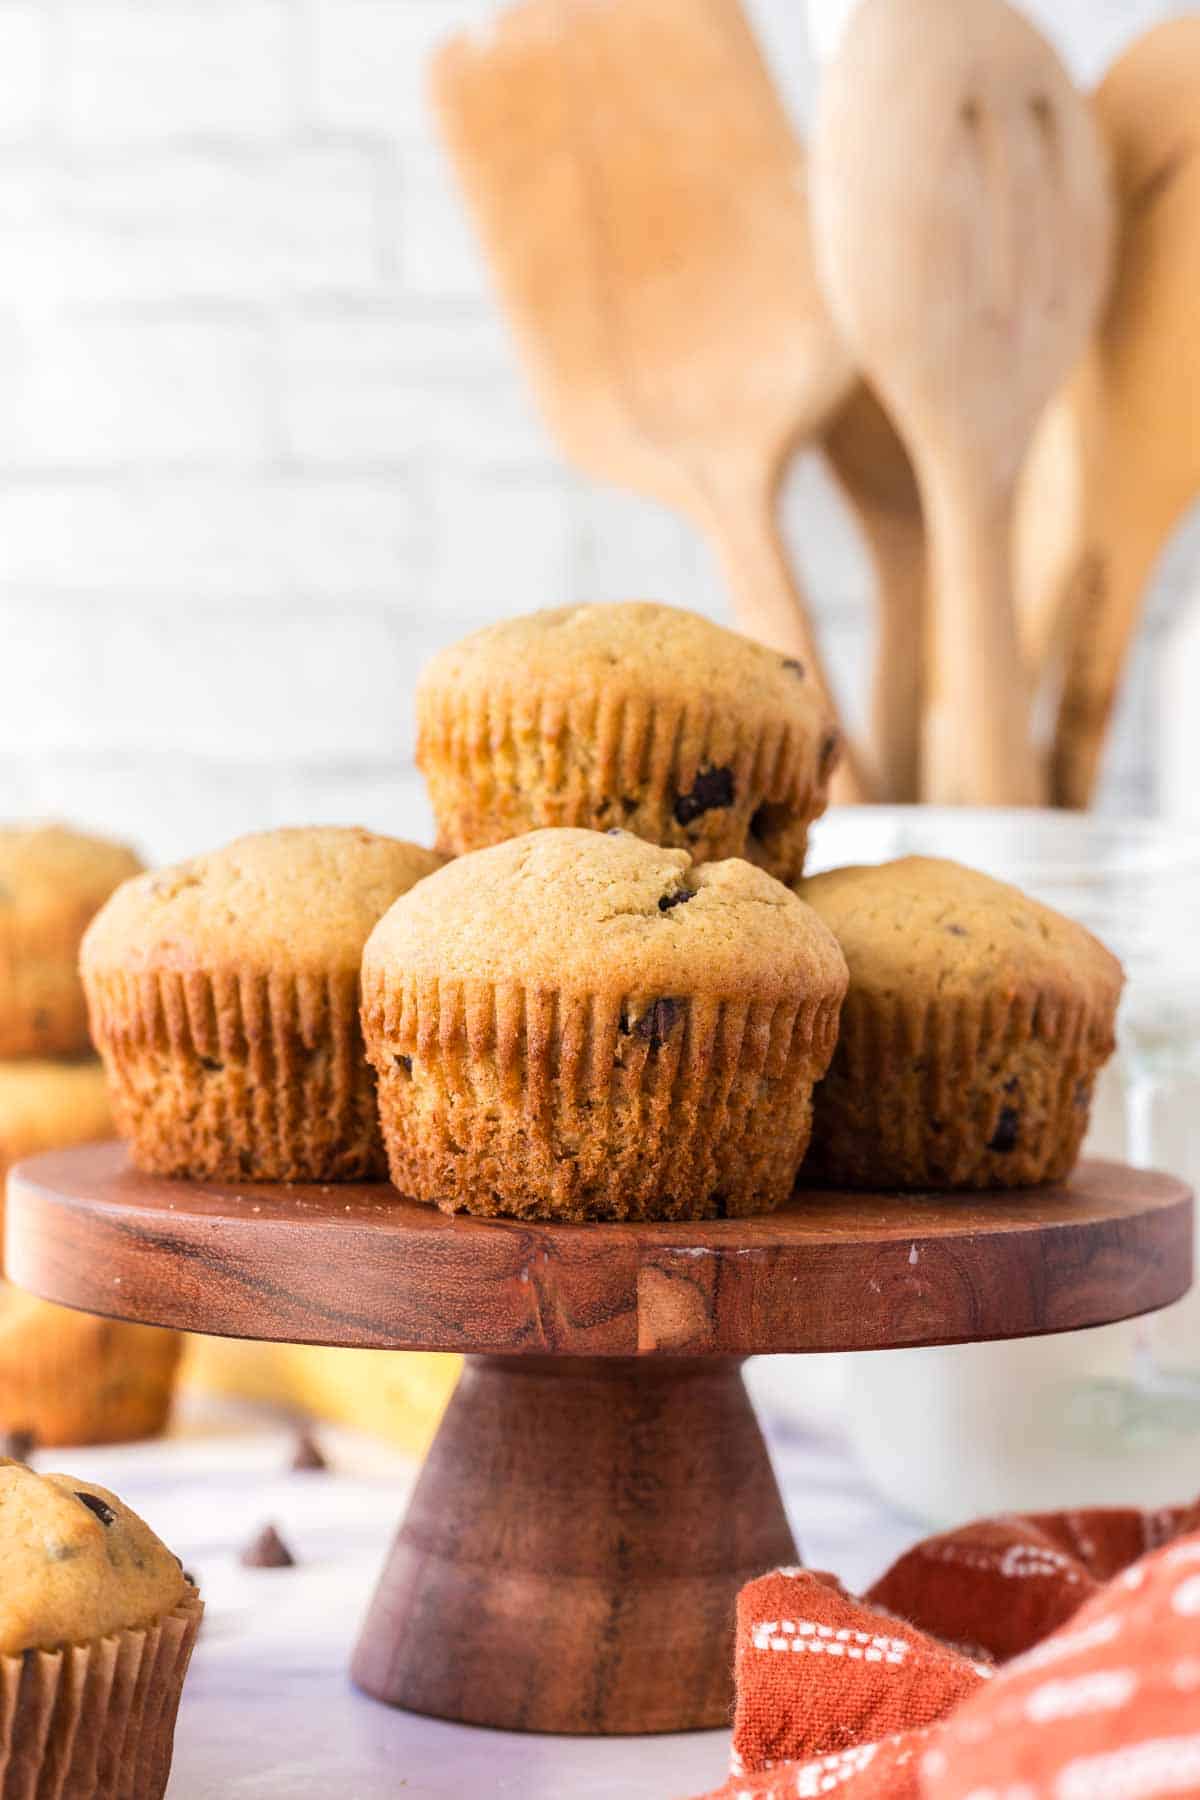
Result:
[269,1713]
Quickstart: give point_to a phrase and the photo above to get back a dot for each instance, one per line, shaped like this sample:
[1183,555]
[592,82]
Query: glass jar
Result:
[1107,1416]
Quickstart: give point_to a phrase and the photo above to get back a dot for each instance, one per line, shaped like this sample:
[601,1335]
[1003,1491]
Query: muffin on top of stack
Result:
[65,1377]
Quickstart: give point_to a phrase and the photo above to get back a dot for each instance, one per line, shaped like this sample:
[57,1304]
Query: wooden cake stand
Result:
[599,1488]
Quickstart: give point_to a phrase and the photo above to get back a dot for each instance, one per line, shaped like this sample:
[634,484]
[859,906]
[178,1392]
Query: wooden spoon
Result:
[962,227]
[1128,427]
[641,196]
[872,468]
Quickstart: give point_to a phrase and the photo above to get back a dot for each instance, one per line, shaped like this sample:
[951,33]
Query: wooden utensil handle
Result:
[1113,570]
[898,553]
[768,601]
[977,748]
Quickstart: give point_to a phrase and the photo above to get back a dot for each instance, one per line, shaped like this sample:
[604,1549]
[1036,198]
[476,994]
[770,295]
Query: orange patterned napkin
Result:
[896,1697]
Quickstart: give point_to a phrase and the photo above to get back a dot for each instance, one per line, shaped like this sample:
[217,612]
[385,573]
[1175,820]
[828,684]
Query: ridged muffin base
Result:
[533,1104]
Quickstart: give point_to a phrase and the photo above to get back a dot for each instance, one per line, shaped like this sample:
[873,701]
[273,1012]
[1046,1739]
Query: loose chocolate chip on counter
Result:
[1007,1131]
[307,1453]
[794,666]
[18,1446]
[713,791]
[94,1504]
[267,1551]
[679,899]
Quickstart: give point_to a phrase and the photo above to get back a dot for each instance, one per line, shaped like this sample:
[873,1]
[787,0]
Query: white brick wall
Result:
[262,441]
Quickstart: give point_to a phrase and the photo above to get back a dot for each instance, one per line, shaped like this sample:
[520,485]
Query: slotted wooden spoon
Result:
[641,197]
[962,226]
[1128,426]
[872,469]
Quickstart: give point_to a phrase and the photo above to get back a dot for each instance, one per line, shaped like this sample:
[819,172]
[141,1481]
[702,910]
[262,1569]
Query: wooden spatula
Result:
[1131,417]
[872,468]
[962,228]
[641,197]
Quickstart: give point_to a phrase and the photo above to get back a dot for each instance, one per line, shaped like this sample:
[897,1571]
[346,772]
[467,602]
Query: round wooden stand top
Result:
[364,1266]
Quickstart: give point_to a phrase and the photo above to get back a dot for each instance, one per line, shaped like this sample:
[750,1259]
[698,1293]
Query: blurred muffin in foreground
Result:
[224,997]
[579,1025]
[97,1626]
[976,1023]
[52,882]
[634,715]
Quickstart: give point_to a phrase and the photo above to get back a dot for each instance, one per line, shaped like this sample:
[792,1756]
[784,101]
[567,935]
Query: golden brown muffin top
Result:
[635,646]
[604,912]
[294,900]
[938,930]
[76,1564]
[56,877]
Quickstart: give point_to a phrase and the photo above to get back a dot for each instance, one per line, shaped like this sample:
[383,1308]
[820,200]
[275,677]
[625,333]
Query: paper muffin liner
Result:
[534,1103]
[70,1378]
[96,1721]
[993,1094]
[235,1076]
[681,773]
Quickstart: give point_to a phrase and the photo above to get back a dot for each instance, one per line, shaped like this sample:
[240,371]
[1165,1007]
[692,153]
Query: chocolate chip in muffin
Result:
[267,1551]
[714,790]
[678,899]
[657,1022]
[1004,1138]
[829,754]
[94,1504]
[794,666]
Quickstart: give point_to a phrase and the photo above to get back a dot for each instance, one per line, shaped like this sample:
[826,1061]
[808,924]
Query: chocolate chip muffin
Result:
[974,1028]
[69,1378]
[578,1025]
[224,1001]
[631,715]
[97,1626]
[52,882]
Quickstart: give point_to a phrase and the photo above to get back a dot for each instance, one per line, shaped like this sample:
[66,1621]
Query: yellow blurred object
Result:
[396,1394]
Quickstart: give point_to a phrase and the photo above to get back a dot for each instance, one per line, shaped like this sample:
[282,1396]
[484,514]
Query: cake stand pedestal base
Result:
[574,1548]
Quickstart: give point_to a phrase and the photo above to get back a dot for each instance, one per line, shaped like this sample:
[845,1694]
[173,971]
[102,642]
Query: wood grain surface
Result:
[364,1266]
[574,1548]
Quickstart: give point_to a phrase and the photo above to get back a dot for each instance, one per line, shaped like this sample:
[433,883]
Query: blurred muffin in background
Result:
[97,1626]
[65,1377]
[69,1378]
[636,715]
[394,1394]
[53,880]
[49,1105]
[224,998]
